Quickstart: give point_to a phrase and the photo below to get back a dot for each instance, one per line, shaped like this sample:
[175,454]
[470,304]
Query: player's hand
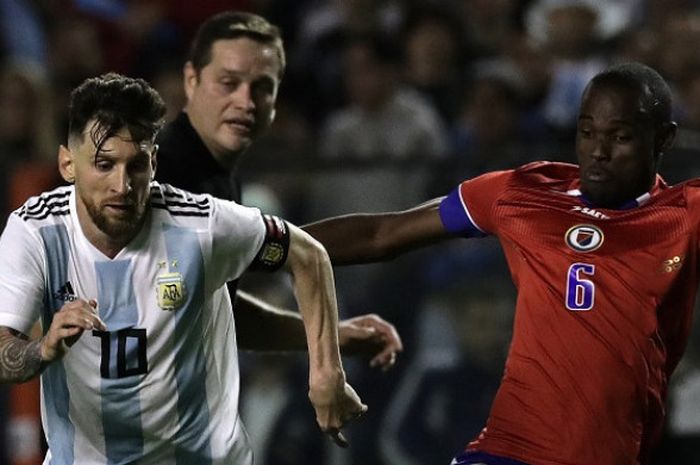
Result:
[336,403]
[371,336]
[67,326]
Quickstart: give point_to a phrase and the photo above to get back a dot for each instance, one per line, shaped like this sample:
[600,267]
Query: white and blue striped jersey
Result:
[161,385]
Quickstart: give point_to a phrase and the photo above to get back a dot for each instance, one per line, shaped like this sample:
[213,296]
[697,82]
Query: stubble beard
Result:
[117,228]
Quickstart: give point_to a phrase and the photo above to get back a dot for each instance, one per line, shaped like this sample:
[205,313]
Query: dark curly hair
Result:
[115,101]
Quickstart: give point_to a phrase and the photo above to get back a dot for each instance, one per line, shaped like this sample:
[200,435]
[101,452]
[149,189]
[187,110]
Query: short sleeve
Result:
[22,277]
[468,210]
[238,234]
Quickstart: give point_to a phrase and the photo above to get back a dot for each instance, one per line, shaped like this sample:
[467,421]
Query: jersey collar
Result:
[659,185]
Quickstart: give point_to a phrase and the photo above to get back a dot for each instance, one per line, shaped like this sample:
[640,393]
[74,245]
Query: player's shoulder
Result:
[689,190]
[46,207]
[545,173]
[552,176]
[180,203]
[690,184]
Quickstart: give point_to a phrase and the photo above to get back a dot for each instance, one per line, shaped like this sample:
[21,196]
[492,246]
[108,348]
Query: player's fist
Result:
[67,326]
[336,403]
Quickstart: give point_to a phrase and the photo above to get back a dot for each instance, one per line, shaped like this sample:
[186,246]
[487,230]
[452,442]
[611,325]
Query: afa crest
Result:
[584,237]
[272,254]
[171,291]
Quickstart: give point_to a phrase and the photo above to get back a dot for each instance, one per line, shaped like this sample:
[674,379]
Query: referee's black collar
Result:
[179,137]
[185,162]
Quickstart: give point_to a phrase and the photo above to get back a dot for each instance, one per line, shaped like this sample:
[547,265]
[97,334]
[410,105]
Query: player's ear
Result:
[190,78]
[273,113]
[66,164]
[665,136]
[154,161]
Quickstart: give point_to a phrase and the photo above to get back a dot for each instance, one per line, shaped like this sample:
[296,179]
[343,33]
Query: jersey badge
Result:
[170,289]
[584,237]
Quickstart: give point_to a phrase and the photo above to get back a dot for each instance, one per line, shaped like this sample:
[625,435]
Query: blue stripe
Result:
[121,407]
[60,432]
[455,219]
[193,438]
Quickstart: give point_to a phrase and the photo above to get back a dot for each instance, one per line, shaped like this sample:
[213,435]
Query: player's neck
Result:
[615,204]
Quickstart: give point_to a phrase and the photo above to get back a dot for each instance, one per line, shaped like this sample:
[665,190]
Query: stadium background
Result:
[458,88]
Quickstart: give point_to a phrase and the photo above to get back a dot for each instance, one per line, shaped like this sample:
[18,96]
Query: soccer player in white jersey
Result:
[138,360]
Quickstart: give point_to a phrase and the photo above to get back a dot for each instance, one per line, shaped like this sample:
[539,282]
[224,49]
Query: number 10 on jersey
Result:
[580,292]
[130,357]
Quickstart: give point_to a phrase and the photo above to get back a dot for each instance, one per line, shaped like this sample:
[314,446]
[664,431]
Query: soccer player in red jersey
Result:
[605,259]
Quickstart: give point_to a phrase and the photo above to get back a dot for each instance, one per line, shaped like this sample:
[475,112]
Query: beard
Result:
[124,226]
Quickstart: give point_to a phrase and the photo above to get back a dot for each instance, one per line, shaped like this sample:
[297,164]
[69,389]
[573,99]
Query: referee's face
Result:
[112,184]
[232,99]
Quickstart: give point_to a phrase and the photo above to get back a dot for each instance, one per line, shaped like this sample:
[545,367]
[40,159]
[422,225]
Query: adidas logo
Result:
[65,293]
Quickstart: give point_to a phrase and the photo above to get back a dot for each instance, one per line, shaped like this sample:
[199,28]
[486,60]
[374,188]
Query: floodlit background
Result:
[385,104]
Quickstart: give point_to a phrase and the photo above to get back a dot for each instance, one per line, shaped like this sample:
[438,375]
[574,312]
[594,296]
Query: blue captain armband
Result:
[456,218]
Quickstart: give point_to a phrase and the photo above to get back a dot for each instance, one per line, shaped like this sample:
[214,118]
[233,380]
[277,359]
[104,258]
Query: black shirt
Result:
[185,162]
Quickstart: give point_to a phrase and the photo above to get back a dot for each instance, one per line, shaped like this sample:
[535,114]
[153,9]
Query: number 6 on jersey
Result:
[580,292]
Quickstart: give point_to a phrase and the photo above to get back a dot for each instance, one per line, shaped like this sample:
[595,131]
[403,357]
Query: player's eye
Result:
[104,165]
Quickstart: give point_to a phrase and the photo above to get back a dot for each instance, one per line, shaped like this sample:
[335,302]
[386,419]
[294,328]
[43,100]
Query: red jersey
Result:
[603,313]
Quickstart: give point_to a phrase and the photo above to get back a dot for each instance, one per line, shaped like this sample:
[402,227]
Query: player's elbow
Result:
[382,243]
[379,248]
[306,253]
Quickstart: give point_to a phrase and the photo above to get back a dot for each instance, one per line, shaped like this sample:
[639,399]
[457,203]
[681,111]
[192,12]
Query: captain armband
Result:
[275,248]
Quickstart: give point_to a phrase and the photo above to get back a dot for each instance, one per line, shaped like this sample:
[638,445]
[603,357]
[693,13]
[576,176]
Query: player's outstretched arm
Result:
[264,327]
[365,238]
[22,359]
[333,398]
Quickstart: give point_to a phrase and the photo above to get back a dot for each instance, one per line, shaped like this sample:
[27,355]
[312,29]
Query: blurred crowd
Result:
[385,103]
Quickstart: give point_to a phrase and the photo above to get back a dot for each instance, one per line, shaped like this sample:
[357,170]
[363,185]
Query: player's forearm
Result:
[262,327]
[20,358]
[366,238]
[351,239]
[315,293]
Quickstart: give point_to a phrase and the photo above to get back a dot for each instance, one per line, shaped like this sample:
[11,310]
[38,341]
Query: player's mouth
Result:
[120,208]
[595,174]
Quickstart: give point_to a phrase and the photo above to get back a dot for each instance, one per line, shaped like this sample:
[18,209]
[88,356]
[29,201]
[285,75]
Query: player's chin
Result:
[119,226]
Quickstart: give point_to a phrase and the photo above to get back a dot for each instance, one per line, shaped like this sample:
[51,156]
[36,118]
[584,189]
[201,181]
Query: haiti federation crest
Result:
[171,290]
[584,237]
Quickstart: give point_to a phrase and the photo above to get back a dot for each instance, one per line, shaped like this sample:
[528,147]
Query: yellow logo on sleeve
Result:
[272,254]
